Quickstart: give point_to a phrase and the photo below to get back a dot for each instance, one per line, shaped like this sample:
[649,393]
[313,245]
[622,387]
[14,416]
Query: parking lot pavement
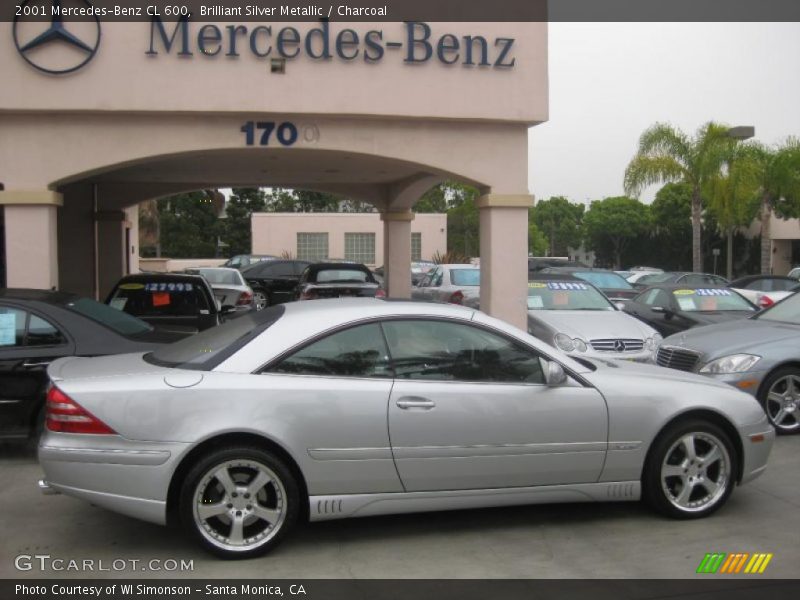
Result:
[569,541]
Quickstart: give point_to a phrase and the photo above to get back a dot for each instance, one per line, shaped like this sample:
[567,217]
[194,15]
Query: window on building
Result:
[360,247]
[312,246]
[416,247]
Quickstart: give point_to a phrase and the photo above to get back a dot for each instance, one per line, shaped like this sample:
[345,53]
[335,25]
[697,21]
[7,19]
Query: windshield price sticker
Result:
[713,292]
[536,285]
[566,285]
[168,287]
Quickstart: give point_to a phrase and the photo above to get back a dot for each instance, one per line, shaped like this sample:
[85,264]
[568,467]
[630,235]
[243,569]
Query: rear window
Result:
[343,276]
[160,299]
[605,281]
[222,276]
[207,349]
[465,276]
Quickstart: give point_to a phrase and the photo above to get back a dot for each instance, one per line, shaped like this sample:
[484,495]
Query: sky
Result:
[610,81]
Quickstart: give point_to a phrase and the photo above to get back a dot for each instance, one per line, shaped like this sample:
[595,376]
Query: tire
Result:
[265,514]
[780,398]
[670,469]
[260,299]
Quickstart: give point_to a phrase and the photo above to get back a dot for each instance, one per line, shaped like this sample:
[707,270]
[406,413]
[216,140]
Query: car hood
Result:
[731,337]
[593,324]
[659,375]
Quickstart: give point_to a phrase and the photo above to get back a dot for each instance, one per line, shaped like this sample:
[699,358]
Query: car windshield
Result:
[160,298]
[207,349]
[342,275]
[565,295]
[116,320]
[603,280]
[465,276]
[710,300]
[787,311]
[221,276]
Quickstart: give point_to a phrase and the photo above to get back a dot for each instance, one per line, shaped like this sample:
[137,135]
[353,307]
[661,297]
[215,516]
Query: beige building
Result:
[351,236]
[378,112]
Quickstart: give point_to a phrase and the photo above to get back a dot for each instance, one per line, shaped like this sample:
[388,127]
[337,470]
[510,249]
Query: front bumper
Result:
[131,478]
[749,381]
[757,441]
[643,356]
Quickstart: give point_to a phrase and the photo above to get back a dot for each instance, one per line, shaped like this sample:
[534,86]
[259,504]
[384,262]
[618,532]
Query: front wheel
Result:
[239,502]
[690,471]
[780,397]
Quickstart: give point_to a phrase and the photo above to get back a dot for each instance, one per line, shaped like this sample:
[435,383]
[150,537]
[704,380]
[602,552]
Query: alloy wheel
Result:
[696,472]
[783,403]
[260,300]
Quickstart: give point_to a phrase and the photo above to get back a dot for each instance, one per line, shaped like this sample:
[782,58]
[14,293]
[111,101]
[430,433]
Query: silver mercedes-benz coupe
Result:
[347,408]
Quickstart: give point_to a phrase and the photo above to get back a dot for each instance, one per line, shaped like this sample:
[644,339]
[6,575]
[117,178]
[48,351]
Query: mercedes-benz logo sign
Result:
[619,345]
[50,46]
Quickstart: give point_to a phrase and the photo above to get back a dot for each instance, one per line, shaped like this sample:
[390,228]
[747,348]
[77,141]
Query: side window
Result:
[649,297]
[356,352]
[435,279]
[444,351]
[12,327]
[285,269]
[42,333]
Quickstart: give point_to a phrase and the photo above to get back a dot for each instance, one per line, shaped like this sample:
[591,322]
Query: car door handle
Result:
[34,365]
[407,402]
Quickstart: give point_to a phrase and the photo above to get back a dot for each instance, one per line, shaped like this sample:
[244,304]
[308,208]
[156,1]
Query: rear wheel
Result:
[239,502]
[780,397]
[260,299]
[690,470]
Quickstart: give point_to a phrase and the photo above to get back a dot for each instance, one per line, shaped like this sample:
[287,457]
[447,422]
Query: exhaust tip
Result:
[46,488]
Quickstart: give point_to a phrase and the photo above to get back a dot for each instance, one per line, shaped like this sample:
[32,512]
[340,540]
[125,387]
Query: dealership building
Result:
[97,117]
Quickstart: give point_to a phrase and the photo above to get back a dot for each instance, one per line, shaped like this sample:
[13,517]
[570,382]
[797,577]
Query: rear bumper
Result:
[130,478]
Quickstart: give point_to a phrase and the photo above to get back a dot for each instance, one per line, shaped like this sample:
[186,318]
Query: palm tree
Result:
[733,194]
[666,154]
[778,173]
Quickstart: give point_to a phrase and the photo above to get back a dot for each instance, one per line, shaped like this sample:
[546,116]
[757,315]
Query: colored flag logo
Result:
[734,563]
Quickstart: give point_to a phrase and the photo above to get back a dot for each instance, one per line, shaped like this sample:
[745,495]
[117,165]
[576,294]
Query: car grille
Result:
[617,345]
[677,358]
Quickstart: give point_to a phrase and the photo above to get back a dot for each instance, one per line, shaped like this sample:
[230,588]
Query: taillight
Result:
[306,295]
[456,297]
[765,302]
[67,416]
[245,298]
[380,293]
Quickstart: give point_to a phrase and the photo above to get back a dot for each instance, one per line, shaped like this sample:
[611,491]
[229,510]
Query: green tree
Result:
[463,220]
[667,154]
[537,241]
[778,175]
[433,201]
[732,196]
[188,225]
[670,241]
[612,223]
[236,230]
[559,220]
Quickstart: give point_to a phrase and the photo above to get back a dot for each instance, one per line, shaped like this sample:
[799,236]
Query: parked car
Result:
[794,273]
[672,308]
[337,280]
[639,273]
[230,288]
[357,407]
[274,282]
[242,261]
[611,284]
[168,301]
[680,278]
[575,317]
[765,290]
[37,327]
[760,355]
[537,263]
[418,271]
[453,283]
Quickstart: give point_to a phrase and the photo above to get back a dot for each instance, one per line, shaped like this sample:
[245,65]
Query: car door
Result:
[469,409]
[434,288]
[28,344]
[334,394]
[281,280]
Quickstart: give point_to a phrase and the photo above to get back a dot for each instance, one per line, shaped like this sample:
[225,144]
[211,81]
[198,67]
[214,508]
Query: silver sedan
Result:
[357,407]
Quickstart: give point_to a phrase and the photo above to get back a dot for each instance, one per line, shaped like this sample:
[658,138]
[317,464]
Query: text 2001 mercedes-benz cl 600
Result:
[343,408]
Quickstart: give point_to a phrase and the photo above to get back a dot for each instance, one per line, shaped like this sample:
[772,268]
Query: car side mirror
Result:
[554,374]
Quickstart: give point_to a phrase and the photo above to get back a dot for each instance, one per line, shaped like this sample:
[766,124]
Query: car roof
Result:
[150,276]
[34,295]
[575,270]
[335,265]
[539,276]
[751,278]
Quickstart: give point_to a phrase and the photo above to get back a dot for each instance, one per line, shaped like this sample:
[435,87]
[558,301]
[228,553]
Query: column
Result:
[111,250]
[397,253]
[31,238]
[504,256]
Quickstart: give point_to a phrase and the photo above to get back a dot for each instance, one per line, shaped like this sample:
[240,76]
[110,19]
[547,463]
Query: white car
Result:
[456,284]
[575,317]
[765,290]
[637,275]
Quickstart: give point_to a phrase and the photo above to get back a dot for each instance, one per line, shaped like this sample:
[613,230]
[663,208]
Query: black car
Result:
[37,327]
[670,308]
[610,283]
[686,278]
[765,283]
[337,280]
[274,281]
[169,301]
[537,263]
[242,261]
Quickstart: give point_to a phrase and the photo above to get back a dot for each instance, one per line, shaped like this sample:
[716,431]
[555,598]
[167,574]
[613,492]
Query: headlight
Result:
[568,344]
[735,363]
[652,343]
[564,342]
